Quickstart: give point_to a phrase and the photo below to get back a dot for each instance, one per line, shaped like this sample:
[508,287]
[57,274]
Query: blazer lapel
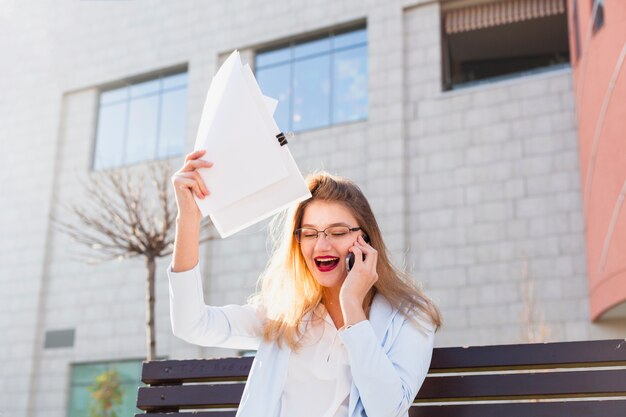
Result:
[381,315]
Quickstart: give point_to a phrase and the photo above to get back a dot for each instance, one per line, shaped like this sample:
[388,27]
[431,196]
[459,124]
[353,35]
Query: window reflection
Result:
[350,81]
[142,121]
[317,82]
[142,129]
[110,136]
[311,93]
[275,82]
[173,104]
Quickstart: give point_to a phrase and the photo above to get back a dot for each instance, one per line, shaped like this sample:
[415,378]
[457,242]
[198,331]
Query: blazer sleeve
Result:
[231,326]
[388,379]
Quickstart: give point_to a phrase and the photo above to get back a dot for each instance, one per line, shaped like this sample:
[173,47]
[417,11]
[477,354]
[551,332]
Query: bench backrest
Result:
[572,379]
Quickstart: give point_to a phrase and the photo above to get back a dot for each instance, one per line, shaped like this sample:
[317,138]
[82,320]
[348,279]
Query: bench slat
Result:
[545,409]
[530,356]
[195,414]
[577,384]
[524,356]
[574,384]
[189,396]
[612,408]
[196,370]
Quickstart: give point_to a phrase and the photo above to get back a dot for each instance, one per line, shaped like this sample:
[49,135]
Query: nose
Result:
[322,243]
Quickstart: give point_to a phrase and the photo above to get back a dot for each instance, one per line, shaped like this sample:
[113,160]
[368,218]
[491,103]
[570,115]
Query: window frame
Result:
[598,19]
[294,42]
[108,363]
[129,83]
[447,61]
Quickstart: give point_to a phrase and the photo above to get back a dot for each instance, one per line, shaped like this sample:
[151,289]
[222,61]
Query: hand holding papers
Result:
[253,176]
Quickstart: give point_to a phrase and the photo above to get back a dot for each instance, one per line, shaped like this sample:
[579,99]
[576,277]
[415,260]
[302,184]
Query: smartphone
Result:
[350,257]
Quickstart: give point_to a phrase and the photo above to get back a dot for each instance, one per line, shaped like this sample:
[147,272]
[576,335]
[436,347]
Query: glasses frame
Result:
[296,233]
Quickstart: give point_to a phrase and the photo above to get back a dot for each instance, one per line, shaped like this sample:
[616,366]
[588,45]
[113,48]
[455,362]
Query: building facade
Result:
[600,89]
[464,136]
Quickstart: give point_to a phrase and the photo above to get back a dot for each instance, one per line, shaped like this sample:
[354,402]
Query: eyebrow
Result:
[330,225]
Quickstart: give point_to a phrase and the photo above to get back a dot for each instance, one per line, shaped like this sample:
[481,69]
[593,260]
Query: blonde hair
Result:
[288,290]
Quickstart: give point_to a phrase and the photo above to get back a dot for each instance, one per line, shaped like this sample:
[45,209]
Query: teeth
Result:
[327,259]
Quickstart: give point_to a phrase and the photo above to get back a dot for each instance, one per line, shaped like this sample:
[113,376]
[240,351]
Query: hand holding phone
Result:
[350,257]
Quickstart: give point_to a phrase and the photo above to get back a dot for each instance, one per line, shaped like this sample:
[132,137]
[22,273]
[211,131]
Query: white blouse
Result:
[318,375]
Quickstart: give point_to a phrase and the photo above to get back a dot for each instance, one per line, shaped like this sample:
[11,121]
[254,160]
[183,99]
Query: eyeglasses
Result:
[333,233]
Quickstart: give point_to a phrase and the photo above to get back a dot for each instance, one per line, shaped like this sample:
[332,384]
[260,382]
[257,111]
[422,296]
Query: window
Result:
[141,121]
[503,39]
[318,82]
[83,403]
[598,18]
[576,27]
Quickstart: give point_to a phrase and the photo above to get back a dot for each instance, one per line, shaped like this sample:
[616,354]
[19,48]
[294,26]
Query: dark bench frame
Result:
[566,379]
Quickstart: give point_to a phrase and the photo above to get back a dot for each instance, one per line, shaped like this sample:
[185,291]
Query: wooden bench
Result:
[567,379]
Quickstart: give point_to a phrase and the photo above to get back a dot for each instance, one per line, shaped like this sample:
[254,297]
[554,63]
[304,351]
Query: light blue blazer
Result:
[389,356]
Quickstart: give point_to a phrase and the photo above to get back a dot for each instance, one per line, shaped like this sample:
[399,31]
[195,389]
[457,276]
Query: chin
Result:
[328,279]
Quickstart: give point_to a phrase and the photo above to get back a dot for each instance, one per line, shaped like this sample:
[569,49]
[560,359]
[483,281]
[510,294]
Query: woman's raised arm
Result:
[187,182]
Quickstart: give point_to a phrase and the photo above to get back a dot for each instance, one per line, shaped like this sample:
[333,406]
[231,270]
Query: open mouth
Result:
[326,263]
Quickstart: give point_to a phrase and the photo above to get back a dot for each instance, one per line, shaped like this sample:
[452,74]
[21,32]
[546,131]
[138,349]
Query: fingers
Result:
[364,246]
[195,155]
[188,178]
[195,178]
[184,183]
[194,164]
[369,255]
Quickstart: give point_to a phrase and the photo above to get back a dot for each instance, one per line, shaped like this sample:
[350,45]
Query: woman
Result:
[333,341]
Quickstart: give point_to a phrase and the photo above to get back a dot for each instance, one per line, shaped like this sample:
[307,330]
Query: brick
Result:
[435,219]
[493,212]
[487,273]
[500,132]
[445,277]
[484,233]
[551,184]
[445,160]
[489,97]
[456,318]
[437,199]
[481,193]
[442,237]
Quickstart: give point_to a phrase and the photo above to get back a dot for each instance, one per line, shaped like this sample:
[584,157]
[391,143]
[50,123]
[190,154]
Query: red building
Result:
[598,52]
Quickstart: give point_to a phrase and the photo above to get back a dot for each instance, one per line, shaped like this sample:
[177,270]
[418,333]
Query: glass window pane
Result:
[311,93]
[81,401]
[129,399]
[112,96]
[177,80]
[354,37]
[312,48]
[275,56]
[274,82]
[85,374]
[350,85]
[110,136]
[142,129]
[130,371]
[144,88]
[80,398]
[172,123]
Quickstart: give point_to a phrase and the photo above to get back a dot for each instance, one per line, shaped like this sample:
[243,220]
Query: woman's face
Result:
[326,256]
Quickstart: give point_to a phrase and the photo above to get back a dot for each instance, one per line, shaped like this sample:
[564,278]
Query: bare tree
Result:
[117,220]
[533,326]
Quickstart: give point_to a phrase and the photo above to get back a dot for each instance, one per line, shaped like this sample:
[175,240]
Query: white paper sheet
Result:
[257,177]
[238,139]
